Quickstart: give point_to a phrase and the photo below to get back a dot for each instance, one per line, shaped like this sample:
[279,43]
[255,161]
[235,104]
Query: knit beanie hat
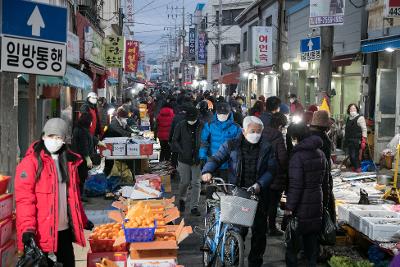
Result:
[55,126]
[321,119]
[191,113]
[223,108]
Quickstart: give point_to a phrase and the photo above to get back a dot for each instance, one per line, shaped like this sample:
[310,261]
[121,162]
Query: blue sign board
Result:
[202,48]
[310,44]
[34,20]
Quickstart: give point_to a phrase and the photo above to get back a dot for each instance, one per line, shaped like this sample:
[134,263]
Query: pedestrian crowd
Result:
[203,136]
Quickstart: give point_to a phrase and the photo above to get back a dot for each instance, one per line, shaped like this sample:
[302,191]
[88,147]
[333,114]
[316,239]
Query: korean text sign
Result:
[131,56]
[326,12]
[262,46]
[202,49]
[34,57]
[192,43]
[392,8]
[115,52]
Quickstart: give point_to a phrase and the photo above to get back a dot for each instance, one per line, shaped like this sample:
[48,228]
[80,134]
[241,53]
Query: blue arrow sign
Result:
[34,20]
[310,44]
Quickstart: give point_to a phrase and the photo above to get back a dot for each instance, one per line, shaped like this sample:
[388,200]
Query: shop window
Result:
[268,21]
[230,51]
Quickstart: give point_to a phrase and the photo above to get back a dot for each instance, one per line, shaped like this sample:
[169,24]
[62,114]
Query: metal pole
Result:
[32,109]
[183,44]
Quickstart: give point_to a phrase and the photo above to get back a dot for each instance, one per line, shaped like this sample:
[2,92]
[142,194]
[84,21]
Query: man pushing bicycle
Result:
[251,164]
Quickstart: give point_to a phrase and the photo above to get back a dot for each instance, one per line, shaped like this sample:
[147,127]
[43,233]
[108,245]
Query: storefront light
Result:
[303,64]
[203,83]
[195,83]
[286,66]
[389,49]
[245,74]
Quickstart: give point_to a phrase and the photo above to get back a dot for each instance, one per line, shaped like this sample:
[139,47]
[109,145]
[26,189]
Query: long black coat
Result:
[82,142]
[307,181]
[275,138]
[185,145]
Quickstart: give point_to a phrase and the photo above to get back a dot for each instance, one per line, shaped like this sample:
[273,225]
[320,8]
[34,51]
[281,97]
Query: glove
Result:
[102,144]
[89,226]
[89,162]
[255,188]
[27,237]
[363,143]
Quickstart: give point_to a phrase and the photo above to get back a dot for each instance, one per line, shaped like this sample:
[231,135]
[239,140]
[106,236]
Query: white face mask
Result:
[292,100]
[294,142]
[53,145]
[353,113]
[93,100]
[253,138]
[191,122]
[222,117]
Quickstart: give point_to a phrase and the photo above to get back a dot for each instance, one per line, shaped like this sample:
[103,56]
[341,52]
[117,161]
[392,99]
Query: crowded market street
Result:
[188,133]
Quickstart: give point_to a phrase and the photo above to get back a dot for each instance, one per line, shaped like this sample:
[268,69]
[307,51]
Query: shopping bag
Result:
[96,185]
[292,236]
[328,233]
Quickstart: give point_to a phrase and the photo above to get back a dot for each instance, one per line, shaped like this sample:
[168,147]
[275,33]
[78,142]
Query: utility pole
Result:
[219,54]
[183,33]
[32,109]
[325,70]
[120,70]
[8,124]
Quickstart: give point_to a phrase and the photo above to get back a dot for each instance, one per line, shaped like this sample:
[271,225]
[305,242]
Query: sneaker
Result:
[195,212]
[275,232]
[181,205]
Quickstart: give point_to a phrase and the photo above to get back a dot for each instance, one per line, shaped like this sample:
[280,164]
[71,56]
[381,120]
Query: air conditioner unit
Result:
[365,71]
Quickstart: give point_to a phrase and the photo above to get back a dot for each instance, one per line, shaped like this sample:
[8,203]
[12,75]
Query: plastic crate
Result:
[139,234]
[383,232]
[356,216]
[344,210]
[106,245]
[4,184]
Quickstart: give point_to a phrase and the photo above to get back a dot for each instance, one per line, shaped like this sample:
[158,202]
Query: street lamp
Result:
[245,74]
[286,66]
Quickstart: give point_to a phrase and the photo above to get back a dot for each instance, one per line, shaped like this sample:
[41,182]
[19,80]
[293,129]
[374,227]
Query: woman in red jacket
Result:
[48,205]
[164,121]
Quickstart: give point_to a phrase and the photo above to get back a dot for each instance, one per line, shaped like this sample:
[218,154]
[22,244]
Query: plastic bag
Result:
[363,197]
[328,232]
[96,185]
[292,236]
[113,183]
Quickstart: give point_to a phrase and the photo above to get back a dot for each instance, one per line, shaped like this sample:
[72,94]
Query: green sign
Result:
[115,52]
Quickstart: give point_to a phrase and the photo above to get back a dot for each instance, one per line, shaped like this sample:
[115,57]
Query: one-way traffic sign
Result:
[310,49]
[34,20]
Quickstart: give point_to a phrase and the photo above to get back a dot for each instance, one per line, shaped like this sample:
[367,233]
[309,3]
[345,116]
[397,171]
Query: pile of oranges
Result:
[140,222]
[107,231]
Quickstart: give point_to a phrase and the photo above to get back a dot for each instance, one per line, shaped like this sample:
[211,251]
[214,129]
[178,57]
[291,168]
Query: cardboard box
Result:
[6,230]
[116,146]
[161,249]
[6,206]
[8,254]
[166,182]
[152,263]
[120,258]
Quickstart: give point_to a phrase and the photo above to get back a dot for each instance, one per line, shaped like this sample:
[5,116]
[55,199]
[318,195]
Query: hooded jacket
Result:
[275,138]
[37,201]
[308,178]
[215,133]
[231,152]
[185,143]
[164,122]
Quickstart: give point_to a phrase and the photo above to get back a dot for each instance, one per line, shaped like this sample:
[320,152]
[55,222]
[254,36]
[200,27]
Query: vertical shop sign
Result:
[261,46]
[192,44]
[131,56]
[114,54]
[326,13]
[129,15]
[202,50]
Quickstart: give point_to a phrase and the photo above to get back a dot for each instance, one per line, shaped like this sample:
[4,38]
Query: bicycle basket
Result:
[238,210]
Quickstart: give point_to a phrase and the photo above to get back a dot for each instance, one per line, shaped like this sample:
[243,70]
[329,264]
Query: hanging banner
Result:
[128,11]
[192,44]
[326,13]
[73,55]
[114,53]
[261,46]
[131,55]
[202,49]
[392,9]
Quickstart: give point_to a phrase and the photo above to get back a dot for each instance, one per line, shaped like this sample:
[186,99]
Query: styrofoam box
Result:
[344,209]
[355,217]
[383,232]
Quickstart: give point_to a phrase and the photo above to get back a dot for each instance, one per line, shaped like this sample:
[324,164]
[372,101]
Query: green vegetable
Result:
[340,261]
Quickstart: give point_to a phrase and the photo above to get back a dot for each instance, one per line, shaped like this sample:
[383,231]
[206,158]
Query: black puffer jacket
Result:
[275,138]
[185,144]
[307,180]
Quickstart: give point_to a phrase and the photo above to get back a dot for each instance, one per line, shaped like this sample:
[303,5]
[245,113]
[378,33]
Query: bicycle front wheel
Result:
[233,250]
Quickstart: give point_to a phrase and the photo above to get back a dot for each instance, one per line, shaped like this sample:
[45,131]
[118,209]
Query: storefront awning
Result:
[378,45]
[73,77]
[230,78]
[342,61]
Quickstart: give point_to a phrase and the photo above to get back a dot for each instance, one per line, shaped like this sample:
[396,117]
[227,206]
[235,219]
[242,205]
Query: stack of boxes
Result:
[7,225]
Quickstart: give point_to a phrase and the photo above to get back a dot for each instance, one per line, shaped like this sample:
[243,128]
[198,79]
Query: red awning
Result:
[230,78]
[341,61]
